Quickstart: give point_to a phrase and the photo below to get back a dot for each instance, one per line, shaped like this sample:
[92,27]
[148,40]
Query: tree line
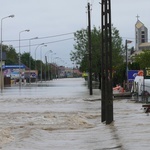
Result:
[80,54]
[12,58]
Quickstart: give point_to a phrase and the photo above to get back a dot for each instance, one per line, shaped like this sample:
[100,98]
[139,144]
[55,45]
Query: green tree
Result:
[25,59]
[143,59]
[79,56]
[38,65]
[80,53]
[117,48]
[11,55]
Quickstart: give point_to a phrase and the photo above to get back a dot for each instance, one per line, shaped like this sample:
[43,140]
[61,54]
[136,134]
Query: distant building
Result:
[144,46]
[141,39]
[141,36]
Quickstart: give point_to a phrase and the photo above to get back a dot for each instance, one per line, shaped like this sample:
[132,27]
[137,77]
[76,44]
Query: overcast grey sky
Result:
[45,18]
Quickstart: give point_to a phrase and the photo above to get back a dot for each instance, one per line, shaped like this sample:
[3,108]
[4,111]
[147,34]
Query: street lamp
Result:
[51,76]
[35,53]
[1,52]
[56,67]
[41,60]
[35,57]
[50,51]
[30,57]
[126,48]
[20,56]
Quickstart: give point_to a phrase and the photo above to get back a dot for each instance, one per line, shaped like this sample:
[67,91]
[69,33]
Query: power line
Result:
[48,42]
[41,37]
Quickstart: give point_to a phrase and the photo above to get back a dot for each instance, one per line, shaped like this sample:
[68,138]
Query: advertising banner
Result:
[132,74]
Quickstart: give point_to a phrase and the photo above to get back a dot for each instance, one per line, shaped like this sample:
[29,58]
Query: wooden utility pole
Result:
[106,64]
[90,50]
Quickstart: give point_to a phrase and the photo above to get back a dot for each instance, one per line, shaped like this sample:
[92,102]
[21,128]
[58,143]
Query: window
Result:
[143,36]
[143,41]
[143,32]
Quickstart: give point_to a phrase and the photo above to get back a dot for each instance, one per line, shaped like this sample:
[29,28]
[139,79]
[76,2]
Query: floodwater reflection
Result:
[56,88]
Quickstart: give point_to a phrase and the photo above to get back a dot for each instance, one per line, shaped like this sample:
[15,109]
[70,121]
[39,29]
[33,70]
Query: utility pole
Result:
[90,50]
[126,49]
[106,63]
[126,64]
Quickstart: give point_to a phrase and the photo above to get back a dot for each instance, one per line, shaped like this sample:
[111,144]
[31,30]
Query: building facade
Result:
[141,34]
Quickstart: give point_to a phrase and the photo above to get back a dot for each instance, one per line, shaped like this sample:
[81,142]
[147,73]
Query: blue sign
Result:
[132,74]
[33,75]
[13,66]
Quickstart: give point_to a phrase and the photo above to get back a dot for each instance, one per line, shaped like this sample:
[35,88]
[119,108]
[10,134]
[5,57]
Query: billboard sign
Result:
[132,74]
[147,73]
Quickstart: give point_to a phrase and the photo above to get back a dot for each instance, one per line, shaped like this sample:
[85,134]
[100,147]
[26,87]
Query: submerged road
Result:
[61,115]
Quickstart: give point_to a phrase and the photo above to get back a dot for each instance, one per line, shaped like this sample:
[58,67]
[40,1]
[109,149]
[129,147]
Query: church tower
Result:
[141,34]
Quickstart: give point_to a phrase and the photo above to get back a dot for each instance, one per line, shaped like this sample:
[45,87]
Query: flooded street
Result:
[61,115]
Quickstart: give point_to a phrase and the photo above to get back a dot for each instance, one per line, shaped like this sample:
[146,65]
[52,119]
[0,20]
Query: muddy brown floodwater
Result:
[61,115]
